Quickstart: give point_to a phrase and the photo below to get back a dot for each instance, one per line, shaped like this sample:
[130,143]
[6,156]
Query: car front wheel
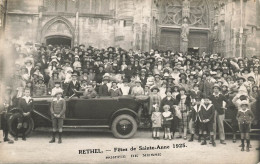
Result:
[13,121]
[124,126]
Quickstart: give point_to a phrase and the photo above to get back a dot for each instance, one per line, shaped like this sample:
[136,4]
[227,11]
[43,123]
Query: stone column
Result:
[185,26]
[76,39]
[184,36]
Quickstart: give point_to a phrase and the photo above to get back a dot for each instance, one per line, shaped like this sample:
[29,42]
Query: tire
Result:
[124,126]
[12,125]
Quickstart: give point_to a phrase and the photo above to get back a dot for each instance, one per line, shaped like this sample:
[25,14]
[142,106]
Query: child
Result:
[245,117]
[57,88]
[156,122]
[206,115]
[194,121]
[167,117]
[58,108]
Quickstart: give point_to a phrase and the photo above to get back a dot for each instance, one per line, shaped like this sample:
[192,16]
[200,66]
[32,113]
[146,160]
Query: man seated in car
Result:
[89,92]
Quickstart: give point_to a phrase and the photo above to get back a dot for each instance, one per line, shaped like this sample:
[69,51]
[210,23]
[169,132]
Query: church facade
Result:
[229,27]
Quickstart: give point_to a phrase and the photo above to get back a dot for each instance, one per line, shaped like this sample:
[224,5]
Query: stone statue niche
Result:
[185,30]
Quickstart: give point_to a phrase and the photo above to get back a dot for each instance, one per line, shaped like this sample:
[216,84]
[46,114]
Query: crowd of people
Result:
[187,92]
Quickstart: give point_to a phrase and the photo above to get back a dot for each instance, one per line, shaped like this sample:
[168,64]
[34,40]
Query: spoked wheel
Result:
[13,122]
[124,126]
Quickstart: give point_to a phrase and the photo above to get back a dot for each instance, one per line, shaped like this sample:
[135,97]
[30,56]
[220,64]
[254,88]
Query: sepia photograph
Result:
[129,81]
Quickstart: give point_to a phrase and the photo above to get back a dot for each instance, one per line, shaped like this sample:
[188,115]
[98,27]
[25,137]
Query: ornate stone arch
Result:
[58,26]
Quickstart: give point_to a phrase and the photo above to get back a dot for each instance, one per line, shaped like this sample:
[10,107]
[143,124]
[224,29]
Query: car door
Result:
[96,111]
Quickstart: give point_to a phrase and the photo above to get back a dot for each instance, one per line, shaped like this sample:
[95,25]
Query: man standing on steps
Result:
[218,100]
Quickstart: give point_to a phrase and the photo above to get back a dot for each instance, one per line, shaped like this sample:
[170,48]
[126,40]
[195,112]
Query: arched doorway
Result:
[58,40]
[58,31]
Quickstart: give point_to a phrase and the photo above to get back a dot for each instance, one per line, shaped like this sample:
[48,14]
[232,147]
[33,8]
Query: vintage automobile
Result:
[120,114]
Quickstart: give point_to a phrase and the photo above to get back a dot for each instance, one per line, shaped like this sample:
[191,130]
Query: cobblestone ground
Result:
[37,149]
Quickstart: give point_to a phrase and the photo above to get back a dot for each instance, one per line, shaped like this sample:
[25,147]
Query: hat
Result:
[182,89]
[83,80]
[244,102]
[40,78]
[114,82]
[66,61]
[55,72]
[155,88]
[28,61]
[137,81]
[157,75]
[106,75]
[216,86]
[74,74]
[184,74]
[239,78]
[57,82]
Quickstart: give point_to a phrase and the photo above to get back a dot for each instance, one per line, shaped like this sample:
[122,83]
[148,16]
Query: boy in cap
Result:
[195,124]
[206,115]
[58,108]
[245,117]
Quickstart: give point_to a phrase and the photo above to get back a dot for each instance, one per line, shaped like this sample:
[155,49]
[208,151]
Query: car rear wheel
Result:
[124,126]
[13,121]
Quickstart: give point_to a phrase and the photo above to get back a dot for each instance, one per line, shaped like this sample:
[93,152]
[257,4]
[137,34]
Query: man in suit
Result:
[103,89]
[73,85]
[129,72]
[26,105]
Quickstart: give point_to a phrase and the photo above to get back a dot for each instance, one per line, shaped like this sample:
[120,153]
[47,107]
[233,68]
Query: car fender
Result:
[122,111]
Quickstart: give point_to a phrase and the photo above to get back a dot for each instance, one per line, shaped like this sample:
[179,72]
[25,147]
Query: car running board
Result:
[86,126]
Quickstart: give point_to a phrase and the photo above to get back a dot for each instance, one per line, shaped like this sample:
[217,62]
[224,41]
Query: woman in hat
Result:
[169,100]
[137,90]
[183,83]
[76,63]
[54,77]
[115,91]
[155,98]
[53,65]
[58,108]
[40,88]
[245,117]
[99,74]
[184,103]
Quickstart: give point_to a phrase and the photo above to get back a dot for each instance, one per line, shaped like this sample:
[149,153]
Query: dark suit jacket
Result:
[70,88]
[103,90]
[26,107]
